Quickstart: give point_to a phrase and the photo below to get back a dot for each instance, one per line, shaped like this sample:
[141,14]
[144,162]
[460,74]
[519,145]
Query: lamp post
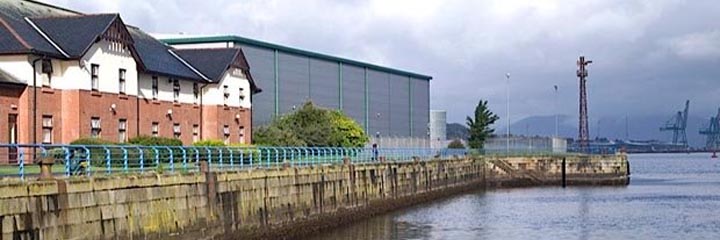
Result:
[507,111]
[556,110]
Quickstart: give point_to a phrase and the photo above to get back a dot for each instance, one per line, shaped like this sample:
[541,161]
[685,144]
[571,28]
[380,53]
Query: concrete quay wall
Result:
[265,203]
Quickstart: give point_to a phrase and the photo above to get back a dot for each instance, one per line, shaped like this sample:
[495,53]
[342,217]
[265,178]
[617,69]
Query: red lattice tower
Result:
[584,133]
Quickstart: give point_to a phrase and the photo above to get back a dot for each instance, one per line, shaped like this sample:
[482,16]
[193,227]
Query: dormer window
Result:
[242,94]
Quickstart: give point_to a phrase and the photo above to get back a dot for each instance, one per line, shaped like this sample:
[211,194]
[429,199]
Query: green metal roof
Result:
[256,43]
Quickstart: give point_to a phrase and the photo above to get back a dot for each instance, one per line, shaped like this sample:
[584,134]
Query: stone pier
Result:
[268,203]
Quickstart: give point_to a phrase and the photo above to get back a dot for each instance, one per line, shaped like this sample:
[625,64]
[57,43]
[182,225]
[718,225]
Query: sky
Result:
[648,55]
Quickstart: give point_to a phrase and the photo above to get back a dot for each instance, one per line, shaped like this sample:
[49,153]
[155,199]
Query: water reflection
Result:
[670,197]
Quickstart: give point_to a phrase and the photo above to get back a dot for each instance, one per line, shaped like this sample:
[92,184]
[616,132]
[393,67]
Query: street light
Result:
[556,111]
[507,111]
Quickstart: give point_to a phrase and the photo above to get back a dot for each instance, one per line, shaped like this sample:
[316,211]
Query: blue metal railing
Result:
[71,160]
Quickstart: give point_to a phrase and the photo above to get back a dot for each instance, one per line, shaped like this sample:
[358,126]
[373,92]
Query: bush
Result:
[155,141]
[209,143]
[312,126]
[92,141]
[456,144]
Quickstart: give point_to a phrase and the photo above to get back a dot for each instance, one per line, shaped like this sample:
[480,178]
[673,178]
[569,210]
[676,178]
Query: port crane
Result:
[677,124]
[713,133]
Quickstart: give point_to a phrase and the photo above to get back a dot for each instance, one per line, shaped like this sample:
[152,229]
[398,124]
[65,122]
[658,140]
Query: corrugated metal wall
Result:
[262,68]
[325,83]
[294,81]
[379,99]
[399,105]
[353,95]
[396,105]
[421,107]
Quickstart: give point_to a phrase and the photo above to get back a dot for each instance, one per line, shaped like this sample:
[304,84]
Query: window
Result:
[196,93]
[94,80]
[176,130]
[226,134]
[196,133]
[122,130]
[155,129]
[95,128]
[176,90]
[46,80]
[226,94]
[242,94]
[154,87]
[242,134]
[121,81]
[47,127]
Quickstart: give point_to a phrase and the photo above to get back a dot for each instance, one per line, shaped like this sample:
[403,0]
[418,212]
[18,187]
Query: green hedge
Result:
[209,143]
[92,141]
[155,141]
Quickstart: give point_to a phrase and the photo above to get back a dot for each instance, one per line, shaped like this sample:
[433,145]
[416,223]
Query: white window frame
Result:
[196,93]
[122,130]
[177,130]
[95,127]
[95,77]
[196,133]
[176,90]
[155,88]
[226,134]
[226,94]
[155,129]
[47,129]
[122,81]
[242,134]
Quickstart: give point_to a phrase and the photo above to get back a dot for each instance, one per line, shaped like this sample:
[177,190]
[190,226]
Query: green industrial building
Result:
[386,101]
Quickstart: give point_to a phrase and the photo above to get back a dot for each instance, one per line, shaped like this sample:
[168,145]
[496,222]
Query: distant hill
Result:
[613,127]
[457,131]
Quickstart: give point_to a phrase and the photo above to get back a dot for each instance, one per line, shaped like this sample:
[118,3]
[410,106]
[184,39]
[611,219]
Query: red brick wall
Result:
[95,104]
[72,111]
[9,104]
[9,96]
[186,115]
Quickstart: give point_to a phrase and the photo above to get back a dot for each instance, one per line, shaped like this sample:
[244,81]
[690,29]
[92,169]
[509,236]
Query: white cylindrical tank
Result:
[438,124]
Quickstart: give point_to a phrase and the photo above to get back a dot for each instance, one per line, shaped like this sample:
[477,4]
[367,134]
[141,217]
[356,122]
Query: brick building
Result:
[65,75]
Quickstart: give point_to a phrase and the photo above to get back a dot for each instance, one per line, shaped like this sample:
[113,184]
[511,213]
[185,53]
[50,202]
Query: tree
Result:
[456,144]
[480,125]
[346,132]
[312,126]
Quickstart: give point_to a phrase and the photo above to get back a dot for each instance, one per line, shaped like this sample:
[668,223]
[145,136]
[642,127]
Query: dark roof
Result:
[9,79]
[157,58]
[8,43]
[75,34]
[272,46]
[214,62]
[13,14]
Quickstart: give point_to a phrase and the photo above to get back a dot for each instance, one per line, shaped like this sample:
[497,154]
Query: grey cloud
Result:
[649,55]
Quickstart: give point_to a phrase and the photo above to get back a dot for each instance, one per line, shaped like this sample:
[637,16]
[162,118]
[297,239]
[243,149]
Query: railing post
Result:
[125,159]
[67,161]
[88,153]
[141,155]
[157,158]
[108,166]
[184,163]
[45,165]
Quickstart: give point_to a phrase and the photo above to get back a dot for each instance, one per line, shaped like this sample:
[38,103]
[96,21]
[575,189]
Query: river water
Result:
[670,196]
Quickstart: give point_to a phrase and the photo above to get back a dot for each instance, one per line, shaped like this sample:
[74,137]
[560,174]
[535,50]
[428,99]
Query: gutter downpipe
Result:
[34,63]
[202,125]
